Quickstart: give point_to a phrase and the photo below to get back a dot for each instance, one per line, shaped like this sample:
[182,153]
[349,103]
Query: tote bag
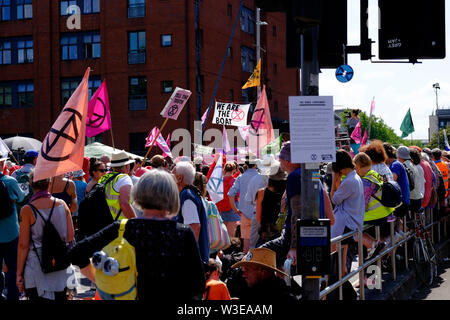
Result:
[218,233]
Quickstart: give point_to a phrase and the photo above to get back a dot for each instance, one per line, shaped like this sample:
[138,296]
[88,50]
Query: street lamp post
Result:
[436,87]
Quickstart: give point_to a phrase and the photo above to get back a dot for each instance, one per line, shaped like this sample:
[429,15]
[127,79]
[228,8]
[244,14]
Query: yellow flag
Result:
[254,80]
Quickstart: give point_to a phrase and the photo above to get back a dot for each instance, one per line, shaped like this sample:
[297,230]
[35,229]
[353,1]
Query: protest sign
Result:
[231,114]
[176,103]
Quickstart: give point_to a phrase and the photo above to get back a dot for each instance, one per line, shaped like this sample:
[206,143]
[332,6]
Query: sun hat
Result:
[119,158]
[78,174]
[279,175]
[268,165]
[403,153]
[198,160]
[261,257]
[285,152]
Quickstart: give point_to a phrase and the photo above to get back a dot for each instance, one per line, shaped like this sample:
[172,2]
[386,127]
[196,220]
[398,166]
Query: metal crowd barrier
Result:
[377,259]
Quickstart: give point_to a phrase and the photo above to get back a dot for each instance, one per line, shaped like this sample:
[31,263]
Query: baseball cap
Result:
[31,154]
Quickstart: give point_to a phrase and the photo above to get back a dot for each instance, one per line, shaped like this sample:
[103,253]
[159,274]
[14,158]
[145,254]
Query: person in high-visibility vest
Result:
[442,165]
[375,213]
[119,189]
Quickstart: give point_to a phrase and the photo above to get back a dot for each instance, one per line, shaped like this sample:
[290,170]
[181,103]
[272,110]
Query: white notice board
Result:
[311,122]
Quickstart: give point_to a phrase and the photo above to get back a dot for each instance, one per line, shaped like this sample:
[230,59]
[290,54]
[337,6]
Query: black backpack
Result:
[410,175]
[391,194]
[93,212]
[5,200]
[54,249]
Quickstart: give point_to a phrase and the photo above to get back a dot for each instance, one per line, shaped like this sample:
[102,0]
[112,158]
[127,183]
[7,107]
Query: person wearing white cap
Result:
[9,229]
[118,188]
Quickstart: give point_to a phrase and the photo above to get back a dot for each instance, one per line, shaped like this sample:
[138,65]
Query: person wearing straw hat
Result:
[118,189]
[260,273]
[9,232]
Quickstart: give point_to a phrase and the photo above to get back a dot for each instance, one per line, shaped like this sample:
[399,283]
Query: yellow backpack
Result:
[116,274]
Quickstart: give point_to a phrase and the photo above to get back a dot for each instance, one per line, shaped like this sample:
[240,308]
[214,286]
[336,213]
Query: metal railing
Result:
[362,265]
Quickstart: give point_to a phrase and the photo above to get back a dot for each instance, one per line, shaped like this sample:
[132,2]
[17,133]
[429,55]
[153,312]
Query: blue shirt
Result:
[241,186]
[402,179]
[80,187]
[9,226]
[350,208]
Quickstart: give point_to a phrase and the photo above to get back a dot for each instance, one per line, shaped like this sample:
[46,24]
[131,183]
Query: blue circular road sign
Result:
[344,73]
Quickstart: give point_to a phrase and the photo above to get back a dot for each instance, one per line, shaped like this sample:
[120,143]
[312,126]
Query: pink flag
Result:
[98,117]
[244,132]
[159,141]
[364,139]
[225,144]
[372,106]
[261,129]
[204,116]
[356,134]
[151,137]
[62,150]
[168,140]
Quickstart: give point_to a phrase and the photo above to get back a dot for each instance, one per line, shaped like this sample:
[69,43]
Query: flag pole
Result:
[112,137]
[154,140]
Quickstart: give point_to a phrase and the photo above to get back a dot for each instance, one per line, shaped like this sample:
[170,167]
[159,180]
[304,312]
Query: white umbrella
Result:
[98,150]
[19,143]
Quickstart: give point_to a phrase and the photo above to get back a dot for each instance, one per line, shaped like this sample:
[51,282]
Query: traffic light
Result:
[411,29]
[332,21]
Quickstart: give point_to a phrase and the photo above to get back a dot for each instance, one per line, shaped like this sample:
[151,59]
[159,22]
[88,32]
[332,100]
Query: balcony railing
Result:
[136,57]
[136,11]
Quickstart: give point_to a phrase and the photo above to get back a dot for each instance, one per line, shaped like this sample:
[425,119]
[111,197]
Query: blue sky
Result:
[396,87]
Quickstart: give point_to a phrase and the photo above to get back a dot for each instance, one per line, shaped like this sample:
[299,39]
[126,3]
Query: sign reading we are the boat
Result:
[231,114]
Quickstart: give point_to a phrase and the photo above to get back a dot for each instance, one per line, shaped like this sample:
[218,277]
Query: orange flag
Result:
[62,150]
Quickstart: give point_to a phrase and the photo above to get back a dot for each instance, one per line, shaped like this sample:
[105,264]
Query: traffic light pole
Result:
[310,188]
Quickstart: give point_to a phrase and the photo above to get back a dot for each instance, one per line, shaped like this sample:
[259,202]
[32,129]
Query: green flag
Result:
[273,147]
[407,126]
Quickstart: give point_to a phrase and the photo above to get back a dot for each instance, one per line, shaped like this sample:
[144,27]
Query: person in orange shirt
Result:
[215,289]
[437,158]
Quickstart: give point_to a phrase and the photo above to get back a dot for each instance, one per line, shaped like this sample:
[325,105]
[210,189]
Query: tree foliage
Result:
[433,141]
[379,130]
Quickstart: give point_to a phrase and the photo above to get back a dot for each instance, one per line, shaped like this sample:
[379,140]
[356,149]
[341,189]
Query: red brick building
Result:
[144,49]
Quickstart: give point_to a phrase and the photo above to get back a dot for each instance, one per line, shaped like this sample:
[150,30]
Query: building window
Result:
[68,87]
[91,6]
[17,94]
[245,95]
[5,52]
[92,46]
[24,9]
[231,95]
[5,96]
[16,50]
[137,93]
[69,48]
[136,8]
[25,51]
[25,92]
[247,59]
[65,4]
[80,46]
[230,52]
[5,6]
[274,31]
[86,6]
[166,40]
[275,68]
[229,10]
[136,47]
[248,20]
[167,86]
[137,143]
[275,106]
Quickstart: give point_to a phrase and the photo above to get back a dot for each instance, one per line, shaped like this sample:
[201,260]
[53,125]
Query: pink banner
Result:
[356,134]
[159,141]
[98,117]
[364,139]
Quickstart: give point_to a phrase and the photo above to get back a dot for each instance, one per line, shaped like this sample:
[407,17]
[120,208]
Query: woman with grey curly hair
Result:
[162,245]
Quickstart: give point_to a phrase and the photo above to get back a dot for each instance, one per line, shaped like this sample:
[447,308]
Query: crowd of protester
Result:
[166,202]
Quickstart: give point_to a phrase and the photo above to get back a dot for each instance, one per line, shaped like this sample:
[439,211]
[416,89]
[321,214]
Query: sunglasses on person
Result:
[101,170]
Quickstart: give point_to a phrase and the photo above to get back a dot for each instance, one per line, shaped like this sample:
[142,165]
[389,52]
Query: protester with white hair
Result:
[166,251]
[192,210]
